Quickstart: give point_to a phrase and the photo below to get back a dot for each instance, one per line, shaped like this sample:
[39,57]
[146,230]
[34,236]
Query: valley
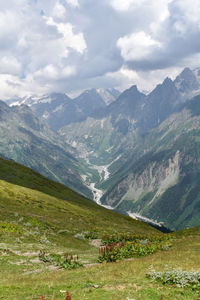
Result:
[136,171]
[128,152]
[100,150]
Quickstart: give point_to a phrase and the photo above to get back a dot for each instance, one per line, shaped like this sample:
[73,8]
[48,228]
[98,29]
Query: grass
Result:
[38,214]
[108,281]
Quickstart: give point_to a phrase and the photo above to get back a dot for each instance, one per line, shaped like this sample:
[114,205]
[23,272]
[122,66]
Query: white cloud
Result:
[159,7]
[9,27]
[10,65]
[50,72]
[137,46]
[59,10]
[50,45]
[12,86]
[189,11]
[126,4]
[69,39]
[73,3]
[186,17]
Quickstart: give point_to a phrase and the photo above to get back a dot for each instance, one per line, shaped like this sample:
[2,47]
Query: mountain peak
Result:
[164,87]
[133,88]
[131,94]
[107,95]
[167,82]
[186,71]
[186,81]
[186,74]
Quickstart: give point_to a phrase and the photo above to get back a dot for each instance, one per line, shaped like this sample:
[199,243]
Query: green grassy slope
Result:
[29,193]
[38,214]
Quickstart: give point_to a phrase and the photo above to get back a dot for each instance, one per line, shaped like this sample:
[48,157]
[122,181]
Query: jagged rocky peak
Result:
[186,73]
[131,94]
[187,81]
[128,103]
[108,95]
[164,90]
[133,89]
[89,101]
[167,82]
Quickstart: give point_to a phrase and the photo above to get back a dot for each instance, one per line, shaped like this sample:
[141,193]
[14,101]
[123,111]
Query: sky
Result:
[71,45]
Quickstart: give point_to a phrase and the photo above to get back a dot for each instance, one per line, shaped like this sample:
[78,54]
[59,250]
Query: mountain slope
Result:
[163,183]
[41,216]
[106,139]
[57,110]
[144,147]
[26,140]
[28,193]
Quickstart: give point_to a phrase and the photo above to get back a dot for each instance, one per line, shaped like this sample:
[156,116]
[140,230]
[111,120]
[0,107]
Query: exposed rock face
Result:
[187,82]
[155,178]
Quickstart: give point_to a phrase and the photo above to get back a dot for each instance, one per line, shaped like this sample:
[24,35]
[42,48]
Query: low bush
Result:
[91,235]
[178,278]
[127,246]
[67,261]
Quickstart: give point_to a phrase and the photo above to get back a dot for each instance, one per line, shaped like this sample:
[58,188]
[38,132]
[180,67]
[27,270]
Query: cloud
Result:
[69,45]
[68,38]
[59,10]
[73,3]
[50,72]
[137,46]
[176,35]
[10,65]
[126,4]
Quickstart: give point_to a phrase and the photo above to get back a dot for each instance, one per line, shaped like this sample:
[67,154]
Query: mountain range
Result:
[58,110]
[131,152]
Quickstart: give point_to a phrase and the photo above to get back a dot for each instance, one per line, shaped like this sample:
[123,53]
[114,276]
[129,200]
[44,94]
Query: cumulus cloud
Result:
[68,39]
[137,46]
[69,45]
[50,72]
[177,30]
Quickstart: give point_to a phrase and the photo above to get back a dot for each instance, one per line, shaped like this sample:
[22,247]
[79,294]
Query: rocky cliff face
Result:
[153,179]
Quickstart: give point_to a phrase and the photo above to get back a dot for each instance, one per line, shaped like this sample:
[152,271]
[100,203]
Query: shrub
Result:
[127,246]
[176,277]
[92,235]
[67,261]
